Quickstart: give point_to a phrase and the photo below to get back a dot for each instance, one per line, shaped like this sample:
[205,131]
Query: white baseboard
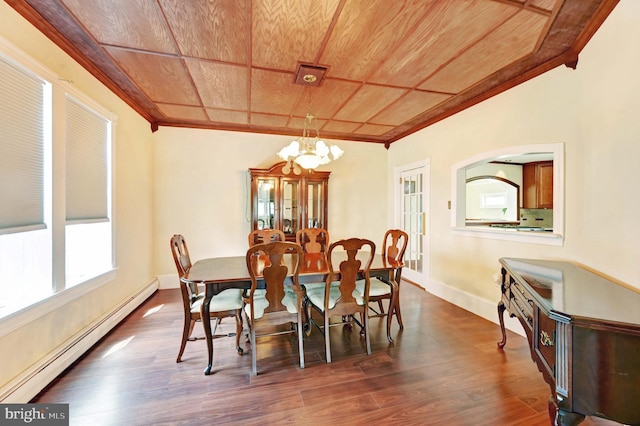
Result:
[473,304]
[28,384]
[168,281]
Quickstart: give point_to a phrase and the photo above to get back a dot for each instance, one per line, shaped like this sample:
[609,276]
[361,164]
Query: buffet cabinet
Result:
[584,336]
[288,198]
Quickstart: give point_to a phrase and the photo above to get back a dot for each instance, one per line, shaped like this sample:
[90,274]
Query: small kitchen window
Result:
[493,201]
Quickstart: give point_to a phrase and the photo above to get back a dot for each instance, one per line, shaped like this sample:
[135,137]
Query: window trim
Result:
[62,295]
[15,320]
[458,192]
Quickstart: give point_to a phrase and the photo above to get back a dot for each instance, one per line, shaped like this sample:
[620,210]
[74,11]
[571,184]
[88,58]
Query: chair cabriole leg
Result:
[327,342]
[186,332]
[366,331]
[238,331]
[254,356]
[300,337]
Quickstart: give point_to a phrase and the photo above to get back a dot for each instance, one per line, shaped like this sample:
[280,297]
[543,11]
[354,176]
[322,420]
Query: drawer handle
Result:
[545,339]
[520,289]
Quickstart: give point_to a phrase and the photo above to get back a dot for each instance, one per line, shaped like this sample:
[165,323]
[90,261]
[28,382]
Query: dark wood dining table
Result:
[217,274]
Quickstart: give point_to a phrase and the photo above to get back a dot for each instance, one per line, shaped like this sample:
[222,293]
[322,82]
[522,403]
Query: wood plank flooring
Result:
[444,369]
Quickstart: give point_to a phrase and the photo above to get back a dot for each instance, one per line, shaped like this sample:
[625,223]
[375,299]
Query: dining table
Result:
[217,274]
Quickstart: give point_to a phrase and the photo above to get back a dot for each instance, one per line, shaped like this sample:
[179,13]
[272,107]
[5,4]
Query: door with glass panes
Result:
[413,193]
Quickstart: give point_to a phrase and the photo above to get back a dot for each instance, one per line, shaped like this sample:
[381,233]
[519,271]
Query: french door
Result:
[413,194]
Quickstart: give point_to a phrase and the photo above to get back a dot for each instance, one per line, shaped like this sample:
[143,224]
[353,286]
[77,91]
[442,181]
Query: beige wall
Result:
[594,111]
[201,190]
[133,209]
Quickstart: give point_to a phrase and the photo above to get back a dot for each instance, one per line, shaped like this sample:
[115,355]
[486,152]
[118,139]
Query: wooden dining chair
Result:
[228,303]
[269,265]
[394,245]
[342,299]
[314,243]
[259,236]
[313,240]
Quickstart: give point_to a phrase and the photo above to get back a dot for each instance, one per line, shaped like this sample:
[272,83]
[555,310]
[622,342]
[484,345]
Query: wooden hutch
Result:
[288,198]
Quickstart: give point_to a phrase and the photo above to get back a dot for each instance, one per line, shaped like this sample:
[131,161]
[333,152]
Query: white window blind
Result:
[86,164]
[21,149]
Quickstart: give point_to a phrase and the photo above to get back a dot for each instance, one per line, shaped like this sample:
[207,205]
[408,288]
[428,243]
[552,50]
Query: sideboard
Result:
[584,336]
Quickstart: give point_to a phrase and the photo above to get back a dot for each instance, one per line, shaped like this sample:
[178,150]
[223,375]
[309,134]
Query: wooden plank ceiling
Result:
[392,67]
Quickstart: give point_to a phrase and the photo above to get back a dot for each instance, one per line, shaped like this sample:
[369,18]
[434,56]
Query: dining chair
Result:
[258,236]
[382,288]
[275,302]
[342,299]
[314,243]
[313,240]
[226,304]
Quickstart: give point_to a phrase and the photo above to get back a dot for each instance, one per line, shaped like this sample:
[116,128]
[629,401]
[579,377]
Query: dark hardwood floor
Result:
[444,369]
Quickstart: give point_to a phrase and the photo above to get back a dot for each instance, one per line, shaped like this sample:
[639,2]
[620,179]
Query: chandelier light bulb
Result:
[336,151]
[309,151]
[322,150]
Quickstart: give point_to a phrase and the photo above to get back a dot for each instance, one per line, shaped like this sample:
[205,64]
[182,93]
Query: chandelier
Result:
[309,151]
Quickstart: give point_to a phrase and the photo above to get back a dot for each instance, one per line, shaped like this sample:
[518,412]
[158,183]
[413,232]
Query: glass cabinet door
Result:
[316,203]
[288,201]
[265,203]
[290,206]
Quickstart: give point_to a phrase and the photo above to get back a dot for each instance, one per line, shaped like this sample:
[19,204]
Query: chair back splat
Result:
[313,240]
[259,236]
[275,297]
[180,253]
[228,303]
[349,261]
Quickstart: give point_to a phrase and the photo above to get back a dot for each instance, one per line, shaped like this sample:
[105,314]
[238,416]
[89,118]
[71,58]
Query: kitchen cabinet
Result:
[289,201]
[537,182]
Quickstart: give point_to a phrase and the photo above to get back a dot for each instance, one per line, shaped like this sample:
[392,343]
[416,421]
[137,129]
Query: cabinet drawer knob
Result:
[545,339]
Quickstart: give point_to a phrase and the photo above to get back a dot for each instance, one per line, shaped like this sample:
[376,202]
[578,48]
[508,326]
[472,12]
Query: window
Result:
[492,201]
[25,238]
[481,209]
[88,226]
[55,228]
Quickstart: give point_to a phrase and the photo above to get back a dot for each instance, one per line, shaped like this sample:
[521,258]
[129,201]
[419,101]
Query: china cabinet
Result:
[289,199]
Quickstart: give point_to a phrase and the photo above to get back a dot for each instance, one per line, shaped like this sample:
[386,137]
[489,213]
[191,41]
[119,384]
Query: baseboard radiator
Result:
[28,384]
